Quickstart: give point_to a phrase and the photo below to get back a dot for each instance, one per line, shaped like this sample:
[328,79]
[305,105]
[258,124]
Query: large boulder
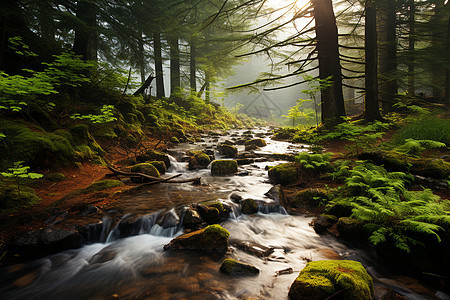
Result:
[146,168]
[192,219]
[211,215]
[283,174]
[223,167]
[256,142]
[351,229]
[198,160]
[152,155]
[309,198]
[323,222]
[227,151]
[159,165]
[249,206]
[322,279]
[233,267]
[212,238]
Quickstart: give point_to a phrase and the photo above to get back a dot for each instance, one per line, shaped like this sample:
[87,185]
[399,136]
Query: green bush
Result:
[424,128]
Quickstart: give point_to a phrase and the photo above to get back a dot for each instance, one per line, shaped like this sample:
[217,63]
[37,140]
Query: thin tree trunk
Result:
[141,58]
[447,71]
[192,67]
[158,65]
[387,55]
[46,22]
[86,39]
[207,87]
[411,47]
[439,31]
[371,109]
[175,80]
[332,98]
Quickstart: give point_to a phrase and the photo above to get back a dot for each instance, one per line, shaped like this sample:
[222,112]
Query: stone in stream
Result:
[323,279]
[250,147]
[198,160]
[152,155]
[256,142]
[211,215]
[192,219]
[212,238]
[283,174]
[227,151]
[224,167]
[252,248]
[323,222]
[236,198]
[352,229]
[249,206]
[235,267]
[145,168]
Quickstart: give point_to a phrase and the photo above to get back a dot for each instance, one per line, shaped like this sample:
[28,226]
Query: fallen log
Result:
[151,179]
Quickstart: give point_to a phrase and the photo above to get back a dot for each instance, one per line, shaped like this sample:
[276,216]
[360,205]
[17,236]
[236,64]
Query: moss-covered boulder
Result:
[224,213]
[341,208]
[283,174]
[198,160]
[55,177]
[324,278]
[224,167]
[212,238]
[174,140]
[159,165]
[13,198]
[103,185]
[82,136]
[227,151]
[351,229]
[234,267]
[323,222]
[152,155]
[249,206]
[309,198]
[256,142]
[146,168]
[192,219]
[211,215]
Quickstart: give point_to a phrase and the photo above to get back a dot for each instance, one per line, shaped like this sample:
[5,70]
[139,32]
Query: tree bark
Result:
[411,47]
[207,87]
[332,98]
[157,49]
[447,71]
[387,54]
[141,58]
[371,109]
[175,80]
[192,66]
[86,36]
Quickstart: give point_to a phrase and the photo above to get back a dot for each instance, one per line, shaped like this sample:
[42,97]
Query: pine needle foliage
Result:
[392,213]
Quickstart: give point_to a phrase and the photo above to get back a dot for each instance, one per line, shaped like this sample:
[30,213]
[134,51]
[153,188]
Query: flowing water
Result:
[125,258]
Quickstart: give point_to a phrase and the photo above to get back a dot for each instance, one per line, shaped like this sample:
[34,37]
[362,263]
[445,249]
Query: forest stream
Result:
[113,265]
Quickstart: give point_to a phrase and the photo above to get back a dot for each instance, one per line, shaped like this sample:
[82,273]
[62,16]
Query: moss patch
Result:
[233,267]
[321,279]
[103,185]
[159,165]
[249,206]
[283,174]
[11,199]
[146,168]
[223,167]
[55,177]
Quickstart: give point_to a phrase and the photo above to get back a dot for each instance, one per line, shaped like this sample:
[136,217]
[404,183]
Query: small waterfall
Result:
[176,166]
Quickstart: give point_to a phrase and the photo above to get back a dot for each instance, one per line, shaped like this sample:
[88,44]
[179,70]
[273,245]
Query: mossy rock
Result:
[224,213]
[283,174]
[159,165]
[81,135]
[55,177]
[341,208]
[13,198]
[211,215]
[146,168]
[249,206]
[153,155]
[84,152]
[213,238]
[256,142]
[198,160]
[351,229]
[323,222]
[103,185]
[434,168]
[224,167]
[65,134]
[174,140]
[192,219]
[234,267]
[309,198]
[227,151]
[325,278]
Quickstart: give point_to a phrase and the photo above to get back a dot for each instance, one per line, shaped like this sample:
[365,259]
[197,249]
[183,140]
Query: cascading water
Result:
[124,257]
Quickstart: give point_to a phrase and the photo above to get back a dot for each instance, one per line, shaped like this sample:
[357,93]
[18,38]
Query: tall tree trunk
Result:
[411,47]
[141,57]
[46,21]
[207,87]
[192,67]
[447,71]
[332,98]
[86,36]
[175,80]
[438,29]
[160,93]
[387,54]
[371,109]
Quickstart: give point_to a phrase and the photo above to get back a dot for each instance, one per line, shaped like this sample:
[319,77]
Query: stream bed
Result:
[121,262]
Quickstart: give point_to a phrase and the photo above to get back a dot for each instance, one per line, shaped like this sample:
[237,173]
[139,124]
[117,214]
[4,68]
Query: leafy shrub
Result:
[424,128]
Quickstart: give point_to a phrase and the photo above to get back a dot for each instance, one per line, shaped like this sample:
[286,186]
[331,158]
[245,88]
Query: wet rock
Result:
[249,206]
[88,210]
[159,165]
[283,174]
[234,267]
[323,222]
[106,254]
[145,168]
[252,248]
[227,151]
[211,215]
[245,161]
[192,219]
[174,140]
[198,160]
[352,229]
[236,198]
[224,167]
[228,142]
[276,193]
[152,155]
[340,209]
[250,147]
[322,279]
[240,141]
[212,238]
[385,293]
[47,241]
[130,225]
[167,220]
[309,198]
[431,183]
[256,142]
[223,211]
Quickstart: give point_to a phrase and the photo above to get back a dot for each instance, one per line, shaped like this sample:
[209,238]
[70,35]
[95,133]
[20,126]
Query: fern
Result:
[315,163]
[415,147]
